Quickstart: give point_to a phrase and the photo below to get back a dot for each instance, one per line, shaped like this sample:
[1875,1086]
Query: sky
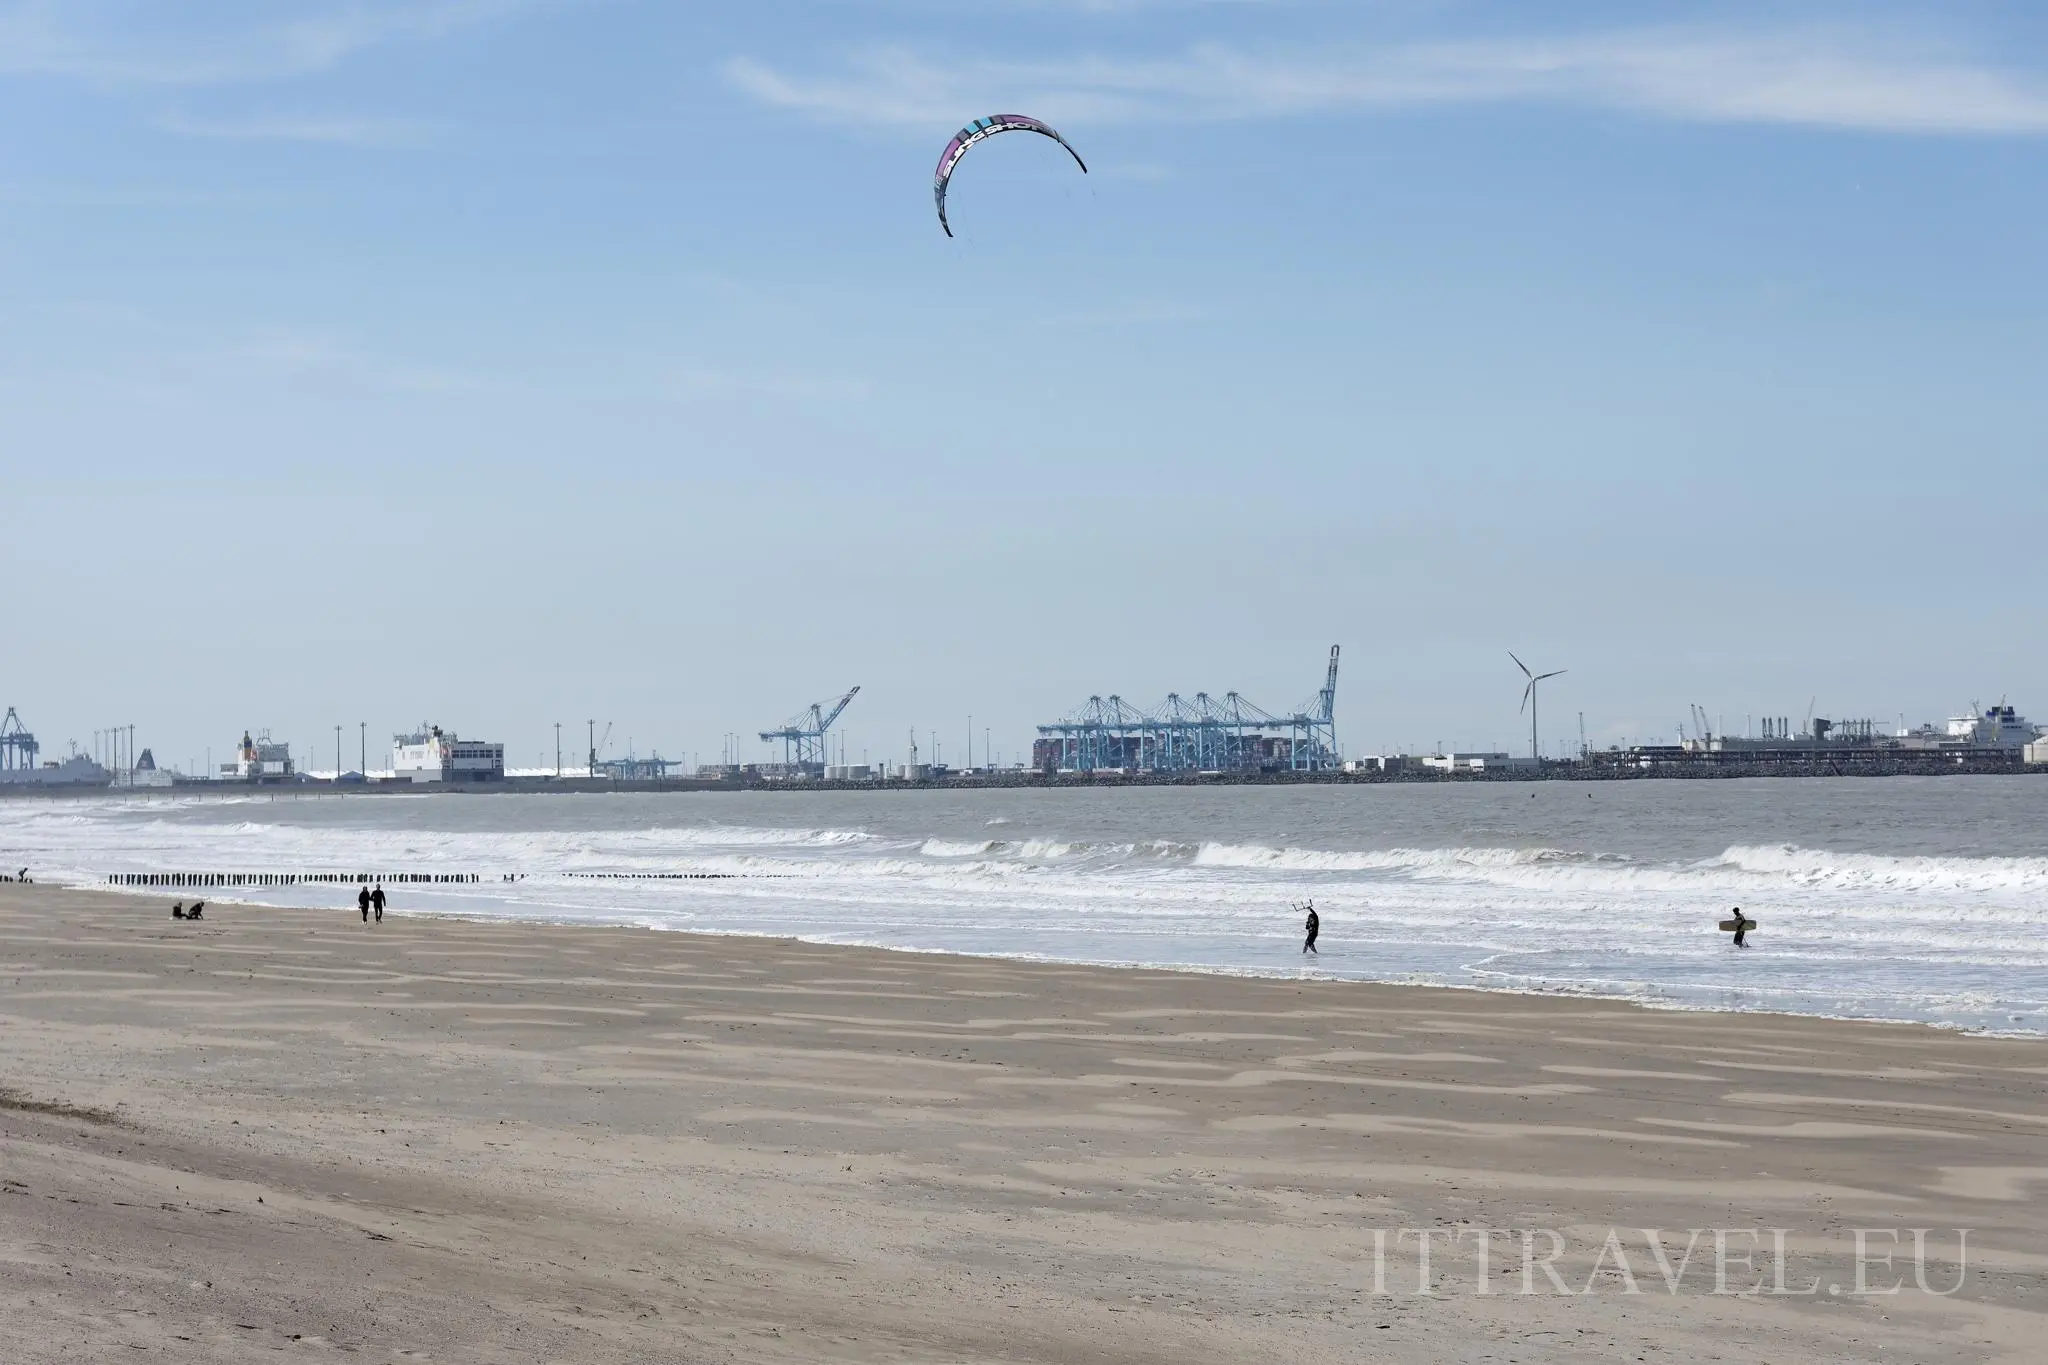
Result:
[497,363]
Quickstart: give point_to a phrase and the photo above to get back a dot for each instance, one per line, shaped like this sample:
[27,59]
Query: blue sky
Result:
[502,362]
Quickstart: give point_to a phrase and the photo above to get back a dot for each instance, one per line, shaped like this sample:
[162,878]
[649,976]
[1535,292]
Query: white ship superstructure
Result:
[1997,727]
[145,773]
[74,771]
[431,754]
[258,759]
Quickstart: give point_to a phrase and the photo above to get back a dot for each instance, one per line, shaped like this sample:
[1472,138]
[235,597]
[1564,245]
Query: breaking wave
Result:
[1815,867]
[1041,881]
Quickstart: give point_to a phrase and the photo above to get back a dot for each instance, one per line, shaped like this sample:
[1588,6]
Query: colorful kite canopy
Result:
[986,128]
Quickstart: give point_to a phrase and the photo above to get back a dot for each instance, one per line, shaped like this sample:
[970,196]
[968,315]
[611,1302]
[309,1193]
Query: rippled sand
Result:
[282,1130]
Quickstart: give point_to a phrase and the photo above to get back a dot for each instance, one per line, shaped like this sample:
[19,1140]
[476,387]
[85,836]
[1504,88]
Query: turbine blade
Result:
[1518,663]
[1559,674]
[1525,695]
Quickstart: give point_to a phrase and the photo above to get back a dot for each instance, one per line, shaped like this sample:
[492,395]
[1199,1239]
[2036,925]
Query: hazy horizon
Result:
[503,362]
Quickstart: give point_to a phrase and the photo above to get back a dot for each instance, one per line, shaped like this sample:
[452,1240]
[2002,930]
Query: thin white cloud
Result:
[329,130]
[325,358]
[1815,77]
[1136,313]
[706,384]
[109,44]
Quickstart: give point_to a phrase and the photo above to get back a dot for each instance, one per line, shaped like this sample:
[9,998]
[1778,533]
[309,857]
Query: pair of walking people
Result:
[367,900]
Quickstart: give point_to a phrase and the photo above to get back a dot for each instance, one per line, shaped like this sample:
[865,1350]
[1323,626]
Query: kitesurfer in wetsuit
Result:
[1740,928]
[1315,925]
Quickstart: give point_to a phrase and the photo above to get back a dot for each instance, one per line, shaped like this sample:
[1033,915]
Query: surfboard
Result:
[1729,926]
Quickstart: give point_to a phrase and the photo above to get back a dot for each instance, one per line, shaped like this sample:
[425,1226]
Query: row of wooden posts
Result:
[288,878]
[394,878]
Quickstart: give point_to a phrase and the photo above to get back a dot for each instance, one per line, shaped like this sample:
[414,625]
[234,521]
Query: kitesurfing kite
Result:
[984,128]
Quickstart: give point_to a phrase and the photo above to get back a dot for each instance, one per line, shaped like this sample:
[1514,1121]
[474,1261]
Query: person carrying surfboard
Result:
[1741,928]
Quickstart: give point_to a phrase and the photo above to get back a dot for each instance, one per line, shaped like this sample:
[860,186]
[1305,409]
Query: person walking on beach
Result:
[1315,926]
[363,903]
[377,902]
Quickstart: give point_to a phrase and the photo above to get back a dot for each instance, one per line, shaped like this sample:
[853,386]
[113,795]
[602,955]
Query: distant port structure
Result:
[1181,741]
[259,759]
[22,766]
[1194,735]
[18,747]
[1981,738]
[431,754]
[805,748]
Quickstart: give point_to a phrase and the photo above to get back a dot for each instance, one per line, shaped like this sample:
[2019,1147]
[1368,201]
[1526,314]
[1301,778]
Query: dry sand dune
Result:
[281,1130]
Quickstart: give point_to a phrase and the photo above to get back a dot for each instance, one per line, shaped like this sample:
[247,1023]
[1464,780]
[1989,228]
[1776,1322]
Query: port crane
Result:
[1702,729]
[803,734]
[1198,735]
[18,748]
[1326,700]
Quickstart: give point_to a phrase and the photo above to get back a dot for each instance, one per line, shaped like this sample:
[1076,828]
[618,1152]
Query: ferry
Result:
[1996,727]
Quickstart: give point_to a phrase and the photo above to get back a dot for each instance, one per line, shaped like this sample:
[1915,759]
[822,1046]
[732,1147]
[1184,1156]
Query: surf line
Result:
[405,878]
[678,876]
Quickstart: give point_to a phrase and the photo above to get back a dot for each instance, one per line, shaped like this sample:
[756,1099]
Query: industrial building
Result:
[1476,762]
[1382,763]
[1993,729]
[1200,736]
[1459,761]
[631,769]
[1986,738]
[430,755]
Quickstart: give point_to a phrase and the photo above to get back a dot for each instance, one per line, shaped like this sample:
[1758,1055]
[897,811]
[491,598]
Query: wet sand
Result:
[283,1130]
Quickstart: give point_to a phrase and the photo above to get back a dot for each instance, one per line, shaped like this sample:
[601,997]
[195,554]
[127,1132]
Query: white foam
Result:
[956,848]
[1949,939]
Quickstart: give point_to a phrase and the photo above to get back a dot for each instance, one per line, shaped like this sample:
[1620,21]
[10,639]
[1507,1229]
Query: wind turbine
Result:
[1529,700]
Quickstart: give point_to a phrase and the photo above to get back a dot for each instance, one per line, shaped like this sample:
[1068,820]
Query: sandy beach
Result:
[285,1131]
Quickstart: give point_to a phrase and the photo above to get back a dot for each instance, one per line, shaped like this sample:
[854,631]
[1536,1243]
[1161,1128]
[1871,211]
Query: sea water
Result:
[1897,898]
